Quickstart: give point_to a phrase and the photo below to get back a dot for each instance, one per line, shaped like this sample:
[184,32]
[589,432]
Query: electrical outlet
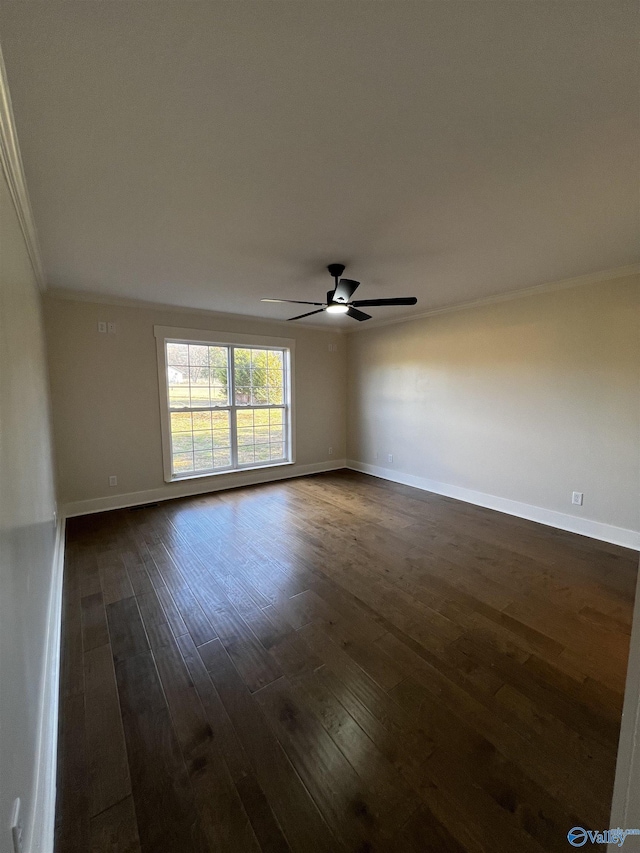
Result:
[113,480]
[16,827]
[576,498]
[331,451]
[111,328]
[102,327]
[390,457]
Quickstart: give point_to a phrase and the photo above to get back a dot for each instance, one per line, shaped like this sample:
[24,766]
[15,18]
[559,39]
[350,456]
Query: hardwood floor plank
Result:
[137,571]
[194,617]
[222,728]
[128,637]
[541,683]
[115,830]
[423,833]
[254,664]
[363,619]
[289,651]
[262,819]
[534,809]
[349,809]
[487,819]
[596,761]
[222,815]
[106,752]
[301,822]
[461,667]
[175,620]
[377,713]
[336,663]
[154,619]
[113,577]
[72,805]
[162,793]
[376,772]
[71,675]
[562,778]
[95,632]
[347,632]
[89,576]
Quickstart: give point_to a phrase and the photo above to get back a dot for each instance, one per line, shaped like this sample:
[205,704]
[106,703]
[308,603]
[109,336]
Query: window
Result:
[226,403]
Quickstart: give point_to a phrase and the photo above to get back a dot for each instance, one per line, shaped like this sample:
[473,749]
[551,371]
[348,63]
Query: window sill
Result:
[279,464]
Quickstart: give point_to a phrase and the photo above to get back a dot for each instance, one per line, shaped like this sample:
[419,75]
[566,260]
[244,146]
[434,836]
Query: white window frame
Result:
[169,334]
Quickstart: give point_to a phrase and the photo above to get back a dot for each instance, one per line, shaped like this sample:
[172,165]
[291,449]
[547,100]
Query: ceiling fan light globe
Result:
[336,308]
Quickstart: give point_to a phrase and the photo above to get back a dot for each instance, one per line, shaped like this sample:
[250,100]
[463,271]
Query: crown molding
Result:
[14,172]
[547,287]
[69,295]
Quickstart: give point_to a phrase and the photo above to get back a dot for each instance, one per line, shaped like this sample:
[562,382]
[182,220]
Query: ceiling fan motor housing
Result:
[336,271]
[339,300]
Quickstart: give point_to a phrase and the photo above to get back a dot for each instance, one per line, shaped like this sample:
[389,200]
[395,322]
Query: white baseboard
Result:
[190,488]
[41,835]
[552,518]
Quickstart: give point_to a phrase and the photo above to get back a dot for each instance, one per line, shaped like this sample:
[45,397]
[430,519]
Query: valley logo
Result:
[578,836]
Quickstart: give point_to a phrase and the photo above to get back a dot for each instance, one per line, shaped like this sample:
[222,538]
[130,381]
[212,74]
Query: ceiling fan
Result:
[339,299]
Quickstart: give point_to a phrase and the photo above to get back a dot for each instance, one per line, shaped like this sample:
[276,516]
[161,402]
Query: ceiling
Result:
[208,154]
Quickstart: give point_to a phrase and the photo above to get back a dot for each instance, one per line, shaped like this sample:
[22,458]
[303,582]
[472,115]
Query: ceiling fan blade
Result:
[296,301]
[300,316]
[399,300]
[358,315]
[345,289]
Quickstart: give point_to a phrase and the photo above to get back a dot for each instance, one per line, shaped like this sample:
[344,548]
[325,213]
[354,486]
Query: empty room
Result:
[319,426]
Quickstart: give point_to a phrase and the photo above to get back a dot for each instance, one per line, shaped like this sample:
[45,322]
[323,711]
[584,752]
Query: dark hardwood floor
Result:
[337,663]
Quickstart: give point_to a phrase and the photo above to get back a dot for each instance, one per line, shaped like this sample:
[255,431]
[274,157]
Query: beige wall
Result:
[106,412]
[526,399]
[26,520]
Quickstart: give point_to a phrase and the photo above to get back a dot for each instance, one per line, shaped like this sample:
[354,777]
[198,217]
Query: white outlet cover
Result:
[113,480]
[102,327]
[16,827]
[577,498]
